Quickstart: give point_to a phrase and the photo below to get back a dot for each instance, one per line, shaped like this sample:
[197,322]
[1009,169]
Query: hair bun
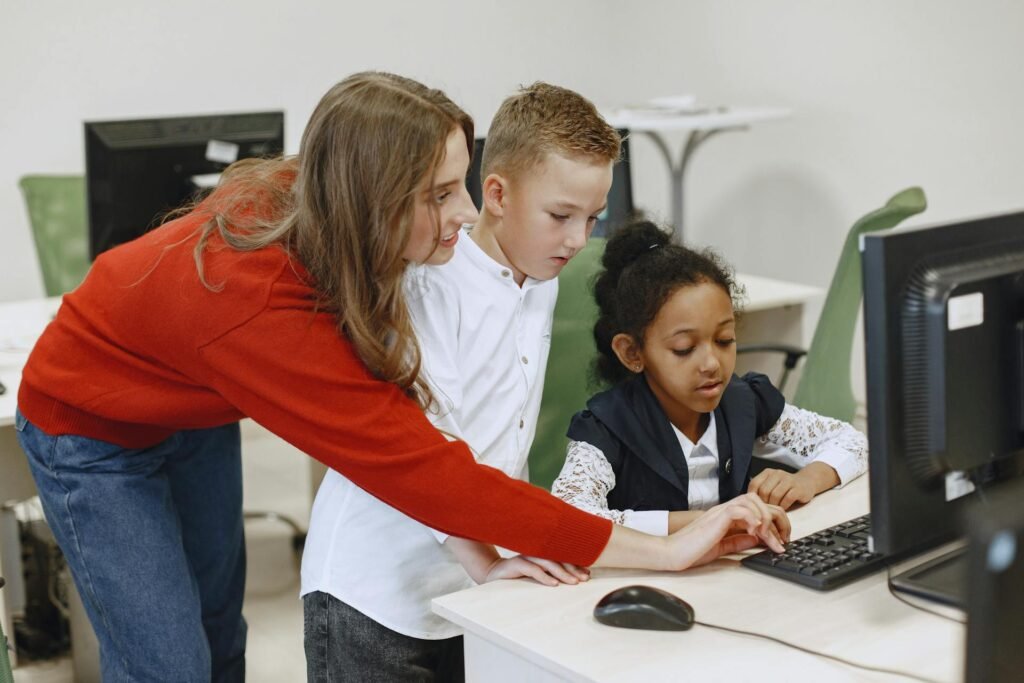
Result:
[630,243]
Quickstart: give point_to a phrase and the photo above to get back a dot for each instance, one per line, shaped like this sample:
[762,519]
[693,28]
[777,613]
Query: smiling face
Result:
[444,196]
[541,217]
[688,353]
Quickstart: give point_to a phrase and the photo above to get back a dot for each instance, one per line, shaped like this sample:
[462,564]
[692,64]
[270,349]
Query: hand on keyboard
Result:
[825,559]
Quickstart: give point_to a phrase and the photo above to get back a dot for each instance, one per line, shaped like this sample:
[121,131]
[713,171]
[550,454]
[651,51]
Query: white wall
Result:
[886,93]
[62,62]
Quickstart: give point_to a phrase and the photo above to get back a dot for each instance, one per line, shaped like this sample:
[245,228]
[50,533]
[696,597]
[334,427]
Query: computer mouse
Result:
[644,607]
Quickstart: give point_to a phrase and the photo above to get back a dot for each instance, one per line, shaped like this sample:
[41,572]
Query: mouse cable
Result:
[894,593]
[847,662]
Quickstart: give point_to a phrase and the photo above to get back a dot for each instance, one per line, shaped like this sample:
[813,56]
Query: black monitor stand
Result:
[942,579]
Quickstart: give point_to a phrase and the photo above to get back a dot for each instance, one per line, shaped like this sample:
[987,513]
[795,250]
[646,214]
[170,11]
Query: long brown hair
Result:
[371,144]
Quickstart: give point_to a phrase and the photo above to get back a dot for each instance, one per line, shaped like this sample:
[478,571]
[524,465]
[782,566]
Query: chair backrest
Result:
[58,215]
[567,378]
[825,385]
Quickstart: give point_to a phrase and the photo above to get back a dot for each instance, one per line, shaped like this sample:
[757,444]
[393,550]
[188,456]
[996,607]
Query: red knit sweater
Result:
[142,349]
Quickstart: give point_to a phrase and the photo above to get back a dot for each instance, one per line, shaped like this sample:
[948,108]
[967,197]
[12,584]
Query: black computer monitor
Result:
[474,180]
[620,196]
[995,595]
[138,170]
[944,344]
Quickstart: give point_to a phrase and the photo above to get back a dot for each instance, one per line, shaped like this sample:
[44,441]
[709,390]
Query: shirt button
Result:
[522,424]
[525,360]
[505,273]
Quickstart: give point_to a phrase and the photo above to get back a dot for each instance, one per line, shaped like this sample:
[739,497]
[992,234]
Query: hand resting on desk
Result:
[778,487]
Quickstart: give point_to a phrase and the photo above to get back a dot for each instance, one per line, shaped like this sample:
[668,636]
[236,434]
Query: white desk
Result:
[701,125]
[522,631]
[774,312]
[20,324]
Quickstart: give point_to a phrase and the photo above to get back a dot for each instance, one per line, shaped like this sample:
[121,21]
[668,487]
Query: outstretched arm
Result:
[731,527]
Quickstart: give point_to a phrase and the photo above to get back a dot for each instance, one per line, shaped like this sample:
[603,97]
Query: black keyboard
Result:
[824,560]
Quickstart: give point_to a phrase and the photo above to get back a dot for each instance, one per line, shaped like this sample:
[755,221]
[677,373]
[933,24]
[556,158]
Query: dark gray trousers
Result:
[343,644]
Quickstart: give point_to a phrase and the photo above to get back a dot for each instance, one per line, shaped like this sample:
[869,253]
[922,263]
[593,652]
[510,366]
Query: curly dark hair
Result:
[641,270]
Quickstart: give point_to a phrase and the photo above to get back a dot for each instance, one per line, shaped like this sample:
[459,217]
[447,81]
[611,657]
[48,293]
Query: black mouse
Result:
[644,607]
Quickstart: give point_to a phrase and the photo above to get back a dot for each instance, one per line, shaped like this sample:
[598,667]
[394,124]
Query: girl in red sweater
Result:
[278,298]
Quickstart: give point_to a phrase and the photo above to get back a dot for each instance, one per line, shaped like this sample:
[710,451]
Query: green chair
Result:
[58,215]
[567,383]
[825,385]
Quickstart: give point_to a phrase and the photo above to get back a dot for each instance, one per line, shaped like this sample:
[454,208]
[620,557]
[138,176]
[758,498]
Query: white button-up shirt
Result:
[484,344]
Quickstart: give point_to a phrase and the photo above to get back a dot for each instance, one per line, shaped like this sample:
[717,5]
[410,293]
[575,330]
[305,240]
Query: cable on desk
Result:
[847,662]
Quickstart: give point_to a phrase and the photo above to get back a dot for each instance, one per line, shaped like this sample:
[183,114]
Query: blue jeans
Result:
[343,644]
[155,543]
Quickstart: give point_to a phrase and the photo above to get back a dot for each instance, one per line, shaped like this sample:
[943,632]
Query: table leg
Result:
[677,170]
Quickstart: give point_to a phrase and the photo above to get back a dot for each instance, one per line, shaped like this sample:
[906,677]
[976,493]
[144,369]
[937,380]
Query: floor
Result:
[277,478]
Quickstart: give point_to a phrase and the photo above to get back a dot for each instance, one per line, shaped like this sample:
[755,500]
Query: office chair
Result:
[825,385]
[57,213]
[567,378]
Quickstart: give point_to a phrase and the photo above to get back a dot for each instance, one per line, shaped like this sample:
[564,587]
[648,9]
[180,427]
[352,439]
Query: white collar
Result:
[709,439]
[483,261]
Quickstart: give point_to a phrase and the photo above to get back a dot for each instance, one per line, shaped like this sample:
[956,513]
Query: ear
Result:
[493,190]
[628,352]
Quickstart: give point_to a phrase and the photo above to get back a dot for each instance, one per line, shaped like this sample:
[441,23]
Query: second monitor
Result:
[138,170]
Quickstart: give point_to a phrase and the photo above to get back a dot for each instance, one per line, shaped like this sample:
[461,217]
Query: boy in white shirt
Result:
[483,323]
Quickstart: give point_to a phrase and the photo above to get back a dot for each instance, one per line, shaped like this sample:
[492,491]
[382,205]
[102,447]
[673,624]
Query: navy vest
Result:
[628,425]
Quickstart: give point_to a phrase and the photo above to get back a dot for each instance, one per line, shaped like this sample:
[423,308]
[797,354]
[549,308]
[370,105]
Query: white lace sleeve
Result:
[801,437]
[586,480]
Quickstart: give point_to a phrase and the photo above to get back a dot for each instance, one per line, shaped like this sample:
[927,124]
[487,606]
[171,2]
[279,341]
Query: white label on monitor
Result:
[958,485]
[221,152]
[967,310]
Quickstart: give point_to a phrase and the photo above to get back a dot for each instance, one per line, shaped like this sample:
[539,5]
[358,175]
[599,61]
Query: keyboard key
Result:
[825,559]
[788,565]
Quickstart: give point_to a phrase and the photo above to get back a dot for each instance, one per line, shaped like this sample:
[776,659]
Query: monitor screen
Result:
[620,196]
[474,181]
[138,170]
[944,344]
